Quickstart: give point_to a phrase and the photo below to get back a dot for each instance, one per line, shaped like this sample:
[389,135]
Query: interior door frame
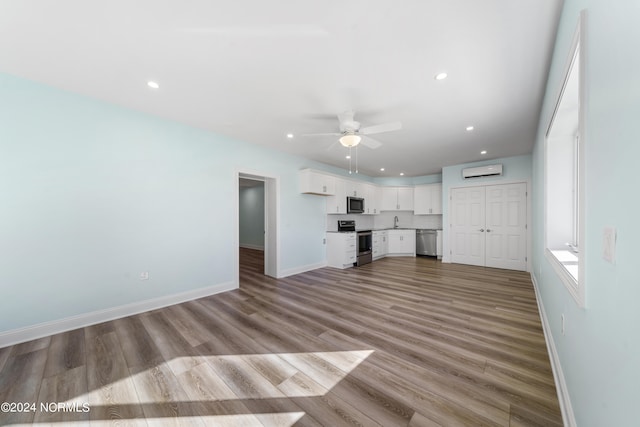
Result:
[271,220]
[484,183]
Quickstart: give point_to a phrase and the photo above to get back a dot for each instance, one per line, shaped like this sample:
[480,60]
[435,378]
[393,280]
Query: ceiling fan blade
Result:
[369,142]
[385,127]
[319,116]
[322,134]
[332,146]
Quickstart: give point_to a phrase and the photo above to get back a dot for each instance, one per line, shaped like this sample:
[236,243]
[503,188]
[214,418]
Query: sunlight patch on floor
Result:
[231,377]
[284,419]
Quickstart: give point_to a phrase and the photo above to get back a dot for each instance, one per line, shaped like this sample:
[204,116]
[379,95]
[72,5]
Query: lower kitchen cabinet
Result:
[380,244]
[341,249]
[402,242]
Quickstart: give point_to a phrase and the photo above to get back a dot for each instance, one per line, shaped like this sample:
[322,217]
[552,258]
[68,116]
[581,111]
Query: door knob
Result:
[488,230]
[481,230]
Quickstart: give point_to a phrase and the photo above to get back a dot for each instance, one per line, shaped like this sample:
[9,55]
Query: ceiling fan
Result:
[351,134]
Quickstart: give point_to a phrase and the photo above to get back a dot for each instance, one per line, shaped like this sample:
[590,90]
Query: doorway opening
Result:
[257,225]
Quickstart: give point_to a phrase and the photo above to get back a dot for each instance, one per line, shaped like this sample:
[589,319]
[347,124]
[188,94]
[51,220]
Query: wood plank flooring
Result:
[399,342]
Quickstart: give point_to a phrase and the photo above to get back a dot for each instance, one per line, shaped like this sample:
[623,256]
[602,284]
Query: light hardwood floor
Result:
[400,342]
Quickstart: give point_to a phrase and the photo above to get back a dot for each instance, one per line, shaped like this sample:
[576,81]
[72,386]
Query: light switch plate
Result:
[609,244]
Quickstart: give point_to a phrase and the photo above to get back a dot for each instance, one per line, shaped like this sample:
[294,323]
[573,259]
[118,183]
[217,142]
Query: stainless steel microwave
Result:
[355,205]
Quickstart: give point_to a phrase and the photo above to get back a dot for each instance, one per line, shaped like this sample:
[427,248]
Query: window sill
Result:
[569,261]
[566,265]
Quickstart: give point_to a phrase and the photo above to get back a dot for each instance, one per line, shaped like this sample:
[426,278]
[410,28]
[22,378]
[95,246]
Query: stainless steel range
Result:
[364,241]
[364,247]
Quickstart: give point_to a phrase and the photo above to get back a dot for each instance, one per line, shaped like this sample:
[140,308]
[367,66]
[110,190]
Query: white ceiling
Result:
[257,70]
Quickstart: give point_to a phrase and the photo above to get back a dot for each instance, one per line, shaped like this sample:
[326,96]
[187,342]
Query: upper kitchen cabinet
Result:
[355,189]
[427,199]
[396,199]
[313,182]
[371,199]
[337,204]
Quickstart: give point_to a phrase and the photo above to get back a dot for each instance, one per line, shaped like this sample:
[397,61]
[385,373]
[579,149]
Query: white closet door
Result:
[467,225]
[505,226]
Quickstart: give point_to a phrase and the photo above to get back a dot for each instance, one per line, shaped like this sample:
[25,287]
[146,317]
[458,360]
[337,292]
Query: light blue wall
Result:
[600,351]
[514,169]
[93,194]
[251,200]
[408,181]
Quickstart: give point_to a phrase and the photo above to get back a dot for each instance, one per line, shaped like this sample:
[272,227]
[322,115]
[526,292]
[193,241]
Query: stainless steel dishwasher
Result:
[426,242]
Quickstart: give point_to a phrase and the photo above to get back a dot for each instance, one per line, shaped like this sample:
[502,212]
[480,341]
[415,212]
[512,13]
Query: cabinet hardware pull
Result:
[481,230]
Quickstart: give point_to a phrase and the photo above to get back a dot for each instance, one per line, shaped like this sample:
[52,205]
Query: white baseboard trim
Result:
[40,330]
[297,270]
[568,417]
[249,246]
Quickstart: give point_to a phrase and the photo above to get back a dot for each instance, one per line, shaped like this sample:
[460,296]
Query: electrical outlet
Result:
[609,244]
[562,319]
[144,275]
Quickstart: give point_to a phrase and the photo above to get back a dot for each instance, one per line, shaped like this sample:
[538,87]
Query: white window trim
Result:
[577,288]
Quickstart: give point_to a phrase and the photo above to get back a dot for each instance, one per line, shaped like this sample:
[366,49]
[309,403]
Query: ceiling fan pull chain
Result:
[356,159]
[349,160]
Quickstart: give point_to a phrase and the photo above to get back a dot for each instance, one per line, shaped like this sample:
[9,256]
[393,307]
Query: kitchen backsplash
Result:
[385,220]
[427,221]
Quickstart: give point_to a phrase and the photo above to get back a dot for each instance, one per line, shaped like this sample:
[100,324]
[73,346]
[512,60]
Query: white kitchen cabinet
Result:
[397,199]
[337,204]
[341,249]
[314,182]
[388,198]
[380,244]
[405,198]
[427,199]
[402,242]
[371,199]
[355,189]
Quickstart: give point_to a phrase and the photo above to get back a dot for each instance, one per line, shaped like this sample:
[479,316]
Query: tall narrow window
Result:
[565,174]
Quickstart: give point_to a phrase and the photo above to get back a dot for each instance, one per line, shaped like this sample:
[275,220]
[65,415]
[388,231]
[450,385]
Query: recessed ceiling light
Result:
[441,76]
[381,169]
[469,128]
[483,152]
[289,135]
[347,156]
[153,84]
[401,173]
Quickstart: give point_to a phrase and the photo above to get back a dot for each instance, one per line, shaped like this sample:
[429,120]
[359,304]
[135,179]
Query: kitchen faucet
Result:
[395,221]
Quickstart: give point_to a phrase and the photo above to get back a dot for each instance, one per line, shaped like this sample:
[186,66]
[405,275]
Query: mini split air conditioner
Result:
[489,170]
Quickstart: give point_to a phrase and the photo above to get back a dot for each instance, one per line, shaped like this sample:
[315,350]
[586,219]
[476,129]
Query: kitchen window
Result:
[565,175]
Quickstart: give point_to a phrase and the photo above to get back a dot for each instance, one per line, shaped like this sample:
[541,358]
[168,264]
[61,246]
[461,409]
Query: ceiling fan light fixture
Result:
[350,140]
